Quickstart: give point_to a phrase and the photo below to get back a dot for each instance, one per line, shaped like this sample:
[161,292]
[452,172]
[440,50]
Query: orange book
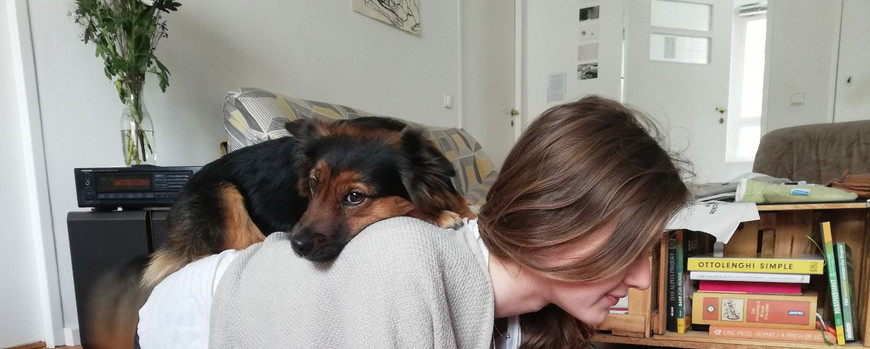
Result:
[747,309]
[778,334]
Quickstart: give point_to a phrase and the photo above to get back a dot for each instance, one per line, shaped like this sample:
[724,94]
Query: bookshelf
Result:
[781,229]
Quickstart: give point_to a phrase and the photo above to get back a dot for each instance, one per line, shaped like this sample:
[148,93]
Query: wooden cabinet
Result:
[782,229]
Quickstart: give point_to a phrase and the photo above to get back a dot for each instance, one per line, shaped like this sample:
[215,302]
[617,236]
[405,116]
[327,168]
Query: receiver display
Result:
[123,182]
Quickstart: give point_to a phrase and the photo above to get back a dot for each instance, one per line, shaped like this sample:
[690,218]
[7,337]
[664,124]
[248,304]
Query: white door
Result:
[853,72]
[487,68]
[677,57]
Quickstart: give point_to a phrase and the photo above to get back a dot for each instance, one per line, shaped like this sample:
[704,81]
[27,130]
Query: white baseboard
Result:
[71,336]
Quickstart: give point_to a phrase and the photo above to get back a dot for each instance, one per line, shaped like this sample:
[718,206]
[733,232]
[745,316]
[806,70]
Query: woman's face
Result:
[590,301]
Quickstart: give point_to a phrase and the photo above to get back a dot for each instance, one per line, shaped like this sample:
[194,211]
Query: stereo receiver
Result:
[137,187]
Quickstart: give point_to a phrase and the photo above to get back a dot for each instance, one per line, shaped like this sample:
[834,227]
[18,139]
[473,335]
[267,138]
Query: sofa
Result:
[817,153]
[253,115]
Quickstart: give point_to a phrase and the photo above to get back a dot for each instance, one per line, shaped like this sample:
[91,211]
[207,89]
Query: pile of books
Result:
[681,245]
[761,297]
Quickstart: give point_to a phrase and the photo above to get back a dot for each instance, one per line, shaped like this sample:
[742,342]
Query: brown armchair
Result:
[815,153]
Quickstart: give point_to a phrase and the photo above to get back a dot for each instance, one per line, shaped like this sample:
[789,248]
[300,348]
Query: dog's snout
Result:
[302,244]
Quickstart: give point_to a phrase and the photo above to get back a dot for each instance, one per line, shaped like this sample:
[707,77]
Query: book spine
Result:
[749,287]
[846,274]
[679,283]
[696,244]
[749,277]
[746,309]
[757,265]
[671,316]
[827,237]
[752,332]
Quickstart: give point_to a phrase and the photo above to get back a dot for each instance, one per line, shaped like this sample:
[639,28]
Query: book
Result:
[834,285]
[749,287]
[681,245]
[680,282]
[759,263]
[693,243]
[671,306]
[749,277]
[748,309]
[846,274]
[780,334]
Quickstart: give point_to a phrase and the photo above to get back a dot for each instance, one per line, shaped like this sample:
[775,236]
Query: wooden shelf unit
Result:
[781,229]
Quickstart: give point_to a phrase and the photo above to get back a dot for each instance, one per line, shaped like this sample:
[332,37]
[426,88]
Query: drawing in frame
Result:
[403,14]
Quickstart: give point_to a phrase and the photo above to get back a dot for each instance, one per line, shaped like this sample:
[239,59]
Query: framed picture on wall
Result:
[403,14]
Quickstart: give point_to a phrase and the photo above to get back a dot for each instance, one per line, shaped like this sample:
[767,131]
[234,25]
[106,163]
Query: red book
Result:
[749,287]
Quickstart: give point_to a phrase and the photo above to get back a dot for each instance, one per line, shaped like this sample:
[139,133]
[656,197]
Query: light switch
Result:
[448,101]
[797,98]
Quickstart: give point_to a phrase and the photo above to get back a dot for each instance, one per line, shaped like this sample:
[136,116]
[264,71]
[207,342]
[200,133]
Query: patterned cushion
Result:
[254,115]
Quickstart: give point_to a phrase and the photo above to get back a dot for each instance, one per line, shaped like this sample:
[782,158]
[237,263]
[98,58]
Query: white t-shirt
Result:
[511,338]
[177,312]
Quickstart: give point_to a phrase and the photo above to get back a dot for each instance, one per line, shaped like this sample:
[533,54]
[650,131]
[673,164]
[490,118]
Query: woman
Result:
[581,199]
[567,229]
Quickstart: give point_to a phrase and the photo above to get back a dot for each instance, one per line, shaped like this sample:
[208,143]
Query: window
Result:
[679,38]
[747,83]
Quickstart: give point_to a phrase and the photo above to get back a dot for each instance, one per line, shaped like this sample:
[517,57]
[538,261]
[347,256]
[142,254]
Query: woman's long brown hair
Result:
[578,167]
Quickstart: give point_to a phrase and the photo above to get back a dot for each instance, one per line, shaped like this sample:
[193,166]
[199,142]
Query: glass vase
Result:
[137,132]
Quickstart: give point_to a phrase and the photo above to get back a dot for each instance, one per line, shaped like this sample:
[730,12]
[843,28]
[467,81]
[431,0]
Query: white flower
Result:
[148,2]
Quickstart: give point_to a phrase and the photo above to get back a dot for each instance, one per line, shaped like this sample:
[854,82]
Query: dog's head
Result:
[357,172]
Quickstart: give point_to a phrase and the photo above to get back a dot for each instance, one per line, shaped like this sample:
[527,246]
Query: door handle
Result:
[514,112]
[721,110]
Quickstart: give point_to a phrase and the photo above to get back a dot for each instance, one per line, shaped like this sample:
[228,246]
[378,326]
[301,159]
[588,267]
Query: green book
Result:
[847,280]
[679,282]
[830,262]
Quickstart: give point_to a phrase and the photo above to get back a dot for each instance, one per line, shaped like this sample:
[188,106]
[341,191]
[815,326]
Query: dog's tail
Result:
[203,224]
[163,262]
[113,307]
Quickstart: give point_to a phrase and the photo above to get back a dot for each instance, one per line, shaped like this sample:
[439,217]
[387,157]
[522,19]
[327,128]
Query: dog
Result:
[323,185]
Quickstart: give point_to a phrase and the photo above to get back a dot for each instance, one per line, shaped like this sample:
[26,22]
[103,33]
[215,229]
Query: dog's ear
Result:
[305,130]
[306,133]
[428,180]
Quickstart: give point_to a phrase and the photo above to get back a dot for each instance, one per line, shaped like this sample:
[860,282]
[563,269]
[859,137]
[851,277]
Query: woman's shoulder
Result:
[411,237]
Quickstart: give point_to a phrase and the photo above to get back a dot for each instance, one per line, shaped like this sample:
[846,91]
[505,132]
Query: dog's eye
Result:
[354,198]
[312,184]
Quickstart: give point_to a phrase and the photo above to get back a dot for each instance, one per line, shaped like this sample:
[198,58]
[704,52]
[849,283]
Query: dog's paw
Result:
[449,219]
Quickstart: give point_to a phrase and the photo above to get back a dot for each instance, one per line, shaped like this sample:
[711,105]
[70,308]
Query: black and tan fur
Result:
[324,185]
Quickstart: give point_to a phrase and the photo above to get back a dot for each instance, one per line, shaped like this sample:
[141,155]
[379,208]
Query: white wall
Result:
[310,49]
[551,39]
[801,59]
[20,320]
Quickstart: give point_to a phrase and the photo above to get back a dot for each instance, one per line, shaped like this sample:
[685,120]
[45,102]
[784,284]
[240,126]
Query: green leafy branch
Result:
[126,33]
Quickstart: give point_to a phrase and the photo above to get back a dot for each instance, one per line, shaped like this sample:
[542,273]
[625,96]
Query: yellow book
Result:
[803,264]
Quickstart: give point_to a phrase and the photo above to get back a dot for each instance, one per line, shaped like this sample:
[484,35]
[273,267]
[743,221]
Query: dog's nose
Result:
[303,244]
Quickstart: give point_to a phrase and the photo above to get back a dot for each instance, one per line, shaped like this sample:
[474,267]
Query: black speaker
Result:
[102,241]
